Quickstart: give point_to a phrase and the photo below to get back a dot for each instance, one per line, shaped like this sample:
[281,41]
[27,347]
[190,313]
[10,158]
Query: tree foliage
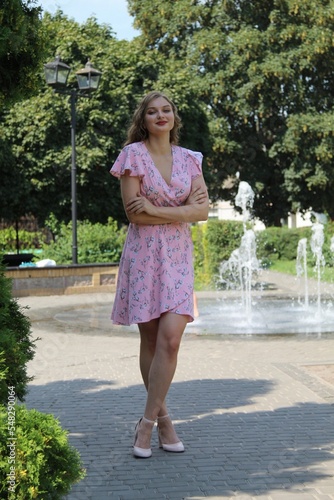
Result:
[264,70]
[253,82]
[38,129]
[17,347]
[21,49]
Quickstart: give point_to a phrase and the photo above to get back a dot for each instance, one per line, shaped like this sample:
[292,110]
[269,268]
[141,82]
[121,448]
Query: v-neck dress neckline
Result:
[169,183]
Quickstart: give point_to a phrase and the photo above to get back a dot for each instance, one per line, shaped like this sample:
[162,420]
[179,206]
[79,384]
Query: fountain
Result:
[243,263]
[254,311]
[301,266]
[249,303]
[317,241]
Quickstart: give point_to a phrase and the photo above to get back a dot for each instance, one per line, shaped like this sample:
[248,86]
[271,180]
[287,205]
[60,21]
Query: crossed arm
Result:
[140,210]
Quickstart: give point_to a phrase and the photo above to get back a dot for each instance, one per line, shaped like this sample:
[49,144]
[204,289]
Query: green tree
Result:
[262,69]
[21,49]
[14,188]
[309,177]
[21,53]
[39,128]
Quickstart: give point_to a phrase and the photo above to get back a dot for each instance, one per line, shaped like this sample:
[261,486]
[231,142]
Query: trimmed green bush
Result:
[40,463]
[214,242]
[280,243]
[15,342]
[27,240]
[223,237]
[275,243]
[97,243]
[202,274]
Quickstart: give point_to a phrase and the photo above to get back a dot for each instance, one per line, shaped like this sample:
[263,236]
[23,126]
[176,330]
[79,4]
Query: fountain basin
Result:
[268,316]
[221,314]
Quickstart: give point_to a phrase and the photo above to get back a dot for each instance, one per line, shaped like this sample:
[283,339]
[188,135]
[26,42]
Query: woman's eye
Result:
[153,112]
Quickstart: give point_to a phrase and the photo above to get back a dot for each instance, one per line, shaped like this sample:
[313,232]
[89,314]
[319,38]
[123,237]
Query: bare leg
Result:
[162,368]
[171,328]
[148,340]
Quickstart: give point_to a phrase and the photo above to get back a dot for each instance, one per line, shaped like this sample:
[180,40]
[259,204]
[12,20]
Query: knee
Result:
[171,328]
[171,345]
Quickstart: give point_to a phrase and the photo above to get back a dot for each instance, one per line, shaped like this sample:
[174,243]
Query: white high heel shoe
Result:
[174,447]
[142,452]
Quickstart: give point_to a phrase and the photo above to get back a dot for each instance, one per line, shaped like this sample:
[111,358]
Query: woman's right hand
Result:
[197,195]
[140,204]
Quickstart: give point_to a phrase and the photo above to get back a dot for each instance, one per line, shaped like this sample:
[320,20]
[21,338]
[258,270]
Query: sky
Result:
[112,12]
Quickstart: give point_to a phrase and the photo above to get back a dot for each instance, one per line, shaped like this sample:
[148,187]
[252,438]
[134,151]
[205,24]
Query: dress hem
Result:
[189,320]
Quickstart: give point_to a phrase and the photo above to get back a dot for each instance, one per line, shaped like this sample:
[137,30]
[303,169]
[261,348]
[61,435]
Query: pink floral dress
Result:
[156,267]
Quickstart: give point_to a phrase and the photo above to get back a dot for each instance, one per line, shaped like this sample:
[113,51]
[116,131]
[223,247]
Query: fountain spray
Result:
[243,261]
[317,241]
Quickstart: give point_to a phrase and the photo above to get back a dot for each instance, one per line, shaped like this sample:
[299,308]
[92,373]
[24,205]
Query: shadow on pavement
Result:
[230,449]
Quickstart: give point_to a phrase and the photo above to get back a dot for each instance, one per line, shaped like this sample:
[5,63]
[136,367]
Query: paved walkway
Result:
[256,413]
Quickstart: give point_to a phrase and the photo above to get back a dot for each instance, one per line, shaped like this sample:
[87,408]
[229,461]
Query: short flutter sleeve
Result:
[129,159]
[195,162]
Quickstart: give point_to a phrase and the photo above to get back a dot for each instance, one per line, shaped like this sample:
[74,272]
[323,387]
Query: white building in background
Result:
[298,220]
[224,210]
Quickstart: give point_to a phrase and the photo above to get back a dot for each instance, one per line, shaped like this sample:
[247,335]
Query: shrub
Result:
[275,243]
[214,243]
[45,465]
[280,243]
[202,274]
[96,243]
[15,342]
[27,240]
[40,460]
[328,252]
[223,237]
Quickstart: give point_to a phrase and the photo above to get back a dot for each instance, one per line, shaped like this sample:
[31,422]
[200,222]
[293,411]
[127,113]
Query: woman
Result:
[163,190]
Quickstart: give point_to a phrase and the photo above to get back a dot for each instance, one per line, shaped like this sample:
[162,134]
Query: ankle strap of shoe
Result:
[163,417]
[147,420]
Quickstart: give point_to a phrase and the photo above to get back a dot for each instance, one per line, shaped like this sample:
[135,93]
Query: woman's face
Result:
[159,116]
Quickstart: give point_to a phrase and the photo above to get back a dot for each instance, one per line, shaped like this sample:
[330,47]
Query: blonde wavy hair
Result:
[137,131]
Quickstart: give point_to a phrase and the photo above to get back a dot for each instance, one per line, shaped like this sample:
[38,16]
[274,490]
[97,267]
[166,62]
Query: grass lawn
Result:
[289,267]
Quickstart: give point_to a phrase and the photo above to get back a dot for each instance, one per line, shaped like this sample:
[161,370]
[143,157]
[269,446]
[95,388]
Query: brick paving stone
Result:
[326,489]
[292,496]
[256,424]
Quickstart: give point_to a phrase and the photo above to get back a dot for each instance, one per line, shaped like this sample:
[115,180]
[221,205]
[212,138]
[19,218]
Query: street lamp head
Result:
[56,73]
[88,78]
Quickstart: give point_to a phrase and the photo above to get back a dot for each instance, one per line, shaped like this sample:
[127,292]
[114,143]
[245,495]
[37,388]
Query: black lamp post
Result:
[88,78]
